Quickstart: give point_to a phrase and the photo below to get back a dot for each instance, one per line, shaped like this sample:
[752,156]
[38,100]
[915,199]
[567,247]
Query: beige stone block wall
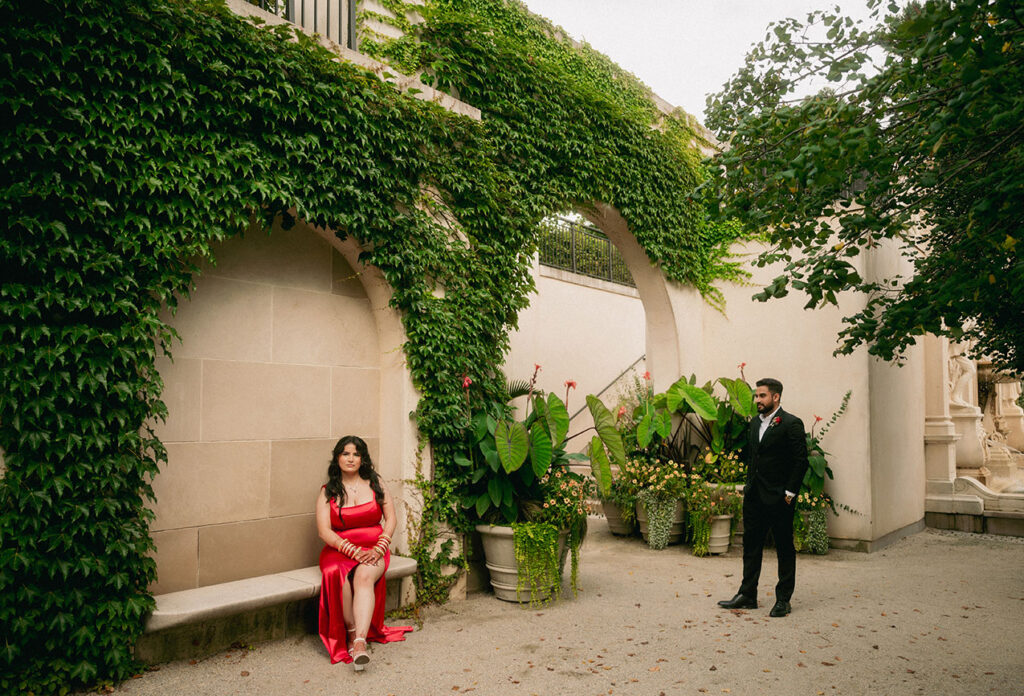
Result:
[279,357]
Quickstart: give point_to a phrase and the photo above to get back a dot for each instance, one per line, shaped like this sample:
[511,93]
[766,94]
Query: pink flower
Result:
[742,365]
[621,413]
[466,381]
[570,384]
[647,376]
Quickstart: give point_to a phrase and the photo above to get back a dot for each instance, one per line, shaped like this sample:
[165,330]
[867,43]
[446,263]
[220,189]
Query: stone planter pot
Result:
[721,534]
[613,513]
[815,526]
[500,558]
[678,522]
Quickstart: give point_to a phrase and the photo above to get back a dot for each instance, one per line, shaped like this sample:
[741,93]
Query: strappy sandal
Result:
[359,657]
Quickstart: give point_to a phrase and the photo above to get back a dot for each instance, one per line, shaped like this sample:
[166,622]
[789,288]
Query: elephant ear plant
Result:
[518,475]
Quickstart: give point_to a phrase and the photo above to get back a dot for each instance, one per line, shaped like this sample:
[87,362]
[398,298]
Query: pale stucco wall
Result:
[279,357]
[877,446]
[578,329]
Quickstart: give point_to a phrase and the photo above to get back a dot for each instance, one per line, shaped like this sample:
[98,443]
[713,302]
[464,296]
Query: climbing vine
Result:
[144,131]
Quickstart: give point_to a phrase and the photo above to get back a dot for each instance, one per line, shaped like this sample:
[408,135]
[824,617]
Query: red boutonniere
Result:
[776,420]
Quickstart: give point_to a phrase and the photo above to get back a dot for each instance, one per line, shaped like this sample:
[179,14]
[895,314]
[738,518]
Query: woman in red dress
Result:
[355,517]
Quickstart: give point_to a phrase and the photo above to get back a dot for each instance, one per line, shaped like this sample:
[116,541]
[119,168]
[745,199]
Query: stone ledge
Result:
[241,596]
[954,503]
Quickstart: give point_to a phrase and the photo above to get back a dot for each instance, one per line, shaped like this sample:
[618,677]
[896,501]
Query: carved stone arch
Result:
[673,311]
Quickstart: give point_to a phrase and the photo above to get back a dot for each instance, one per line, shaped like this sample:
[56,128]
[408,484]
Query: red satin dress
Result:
[359,524]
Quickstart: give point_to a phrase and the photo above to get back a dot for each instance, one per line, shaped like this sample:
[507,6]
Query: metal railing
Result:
[581,248]
[335,19]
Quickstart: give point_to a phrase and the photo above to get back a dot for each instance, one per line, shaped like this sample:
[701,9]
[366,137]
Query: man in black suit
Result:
[776,459]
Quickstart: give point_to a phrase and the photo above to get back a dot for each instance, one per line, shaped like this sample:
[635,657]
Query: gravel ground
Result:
[935,613]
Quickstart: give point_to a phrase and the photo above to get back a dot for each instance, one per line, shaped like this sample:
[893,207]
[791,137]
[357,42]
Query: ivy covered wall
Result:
[144,130]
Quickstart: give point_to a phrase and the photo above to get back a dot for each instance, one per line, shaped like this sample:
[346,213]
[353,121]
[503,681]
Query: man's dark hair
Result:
[774,385]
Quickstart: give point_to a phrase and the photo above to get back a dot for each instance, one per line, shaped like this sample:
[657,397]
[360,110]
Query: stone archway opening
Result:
[288,343]
[587,325]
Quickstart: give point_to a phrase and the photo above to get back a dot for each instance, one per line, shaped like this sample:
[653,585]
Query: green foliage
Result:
[817,458]
[439,565]
[538,560]
[568,120]
[660,517]
[501,489]
[810,531]
[917,144]
[701,415]
[143,131]
[606,447]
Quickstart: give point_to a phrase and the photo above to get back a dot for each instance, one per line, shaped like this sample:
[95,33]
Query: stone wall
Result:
[279,357]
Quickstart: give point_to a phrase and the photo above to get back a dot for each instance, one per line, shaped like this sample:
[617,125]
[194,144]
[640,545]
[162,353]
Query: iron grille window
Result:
[323,17]
[581,248]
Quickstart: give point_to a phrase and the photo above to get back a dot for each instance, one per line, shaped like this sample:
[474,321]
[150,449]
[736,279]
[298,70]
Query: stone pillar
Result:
[940,434]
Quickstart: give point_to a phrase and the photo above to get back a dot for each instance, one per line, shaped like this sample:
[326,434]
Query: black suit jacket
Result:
[777,462]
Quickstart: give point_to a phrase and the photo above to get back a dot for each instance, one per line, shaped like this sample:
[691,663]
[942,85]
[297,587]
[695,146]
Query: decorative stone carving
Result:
[963,382]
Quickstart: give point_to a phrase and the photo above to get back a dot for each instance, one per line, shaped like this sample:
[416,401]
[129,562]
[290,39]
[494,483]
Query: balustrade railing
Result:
[334,19]
[581,248]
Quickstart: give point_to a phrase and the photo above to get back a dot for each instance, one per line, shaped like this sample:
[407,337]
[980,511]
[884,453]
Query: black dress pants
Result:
[758,518]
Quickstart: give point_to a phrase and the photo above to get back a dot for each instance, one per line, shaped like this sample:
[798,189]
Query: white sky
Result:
[682,49]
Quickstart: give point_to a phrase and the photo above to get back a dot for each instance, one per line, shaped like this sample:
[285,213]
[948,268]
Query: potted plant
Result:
[658,488]
[513,468]
[711,511]
[810,526]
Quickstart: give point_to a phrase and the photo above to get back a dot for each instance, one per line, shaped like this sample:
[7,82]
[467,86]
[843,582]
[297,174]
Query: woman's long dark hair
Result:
[335,488]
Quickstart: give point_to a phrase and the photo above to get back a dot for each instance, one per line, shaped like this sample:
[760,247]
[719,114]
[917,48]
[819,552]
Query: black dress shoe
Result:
[738,602]
[781,608]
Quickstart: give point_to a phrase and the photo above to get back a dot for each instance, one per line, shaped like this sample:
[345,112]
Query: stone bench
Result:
[204,620]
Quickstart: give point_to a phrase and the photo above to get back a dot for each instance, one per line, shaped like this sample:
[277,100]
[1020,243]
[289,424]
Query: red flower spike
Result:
[647,376]
[570,384]
[466,381]
[818,418]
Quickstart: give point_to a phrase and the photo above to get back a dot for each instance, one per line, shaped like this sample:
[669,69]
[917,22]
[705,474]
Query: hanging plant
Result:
[539,561]
[660,516]
[700,533]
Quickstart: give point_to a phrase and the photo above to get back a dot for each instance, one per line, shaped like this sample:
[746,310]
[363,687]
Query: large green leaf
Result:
[601,467]
[513,443]
[699,401]
[604,422]
[558,415]
[740,396]
[817,465]
[663,423]
[540,448]
[494,490]
[483,502]
[644,433]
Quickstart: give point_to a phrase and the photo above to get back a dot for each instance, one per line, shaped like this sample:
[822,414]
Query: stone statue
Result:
[962,375]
